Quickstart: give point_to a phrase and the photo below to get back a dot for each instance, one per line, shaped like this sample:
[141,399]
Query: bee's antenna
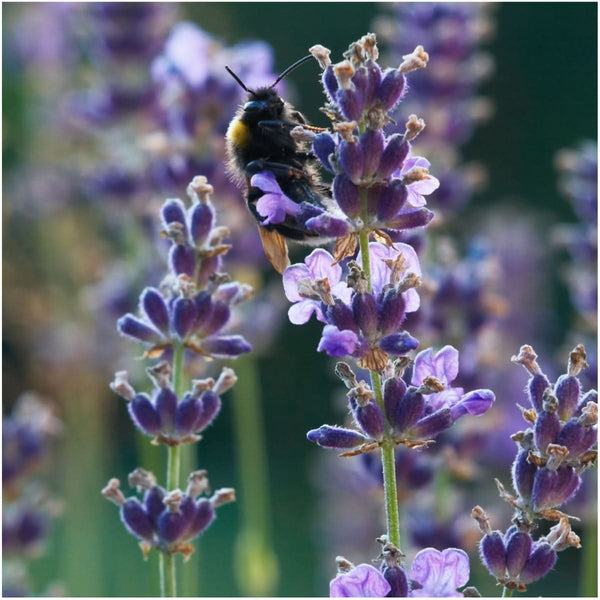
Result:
[239,80]
[291,68]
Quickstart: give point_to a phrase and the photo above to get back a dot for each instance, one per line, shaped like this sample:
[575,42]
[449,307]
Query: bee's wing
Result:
[275,249]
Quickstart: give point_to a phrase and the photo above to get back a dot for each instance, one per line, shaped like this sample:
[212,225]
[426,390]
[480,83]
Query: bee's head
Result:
[263,104]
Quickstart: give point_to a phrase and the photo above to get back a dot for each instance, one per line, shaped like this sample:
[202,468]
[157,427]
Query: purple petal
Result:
[319,264]
[336,342]
[444,365]
[475,403]
[415,161]
[266,182]
[291,276]
[364,581]
[275,207]
[301,312]
[440,573]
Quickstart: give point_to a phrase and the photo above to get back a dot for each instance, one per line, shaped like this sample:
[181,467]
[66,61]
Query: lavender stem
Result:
[388,458]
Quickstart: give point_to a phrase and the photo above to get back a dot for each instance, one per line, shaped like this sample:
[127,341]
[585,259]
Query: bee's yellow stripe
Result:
[238,133]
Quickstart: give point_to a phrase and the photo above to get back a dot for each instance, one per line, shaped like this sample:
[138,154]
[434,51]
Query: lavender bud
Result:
[394,389]
[144,415]
[182,260]
[371,143]
[567,484]
[396,577]
[351,159]
[188,510]
[201,223]
[493,553]
[184,316]
[364,309]
[328,226]
[341,315]
[567,390]
[153,503]
[173,211]
[411,219]
[571,436]
[351,103]
[205,515]
[347,195]
[204,308]
[210,405]
[409,409]
[540,563]
[227,346]
[138,330]
[136,519]
[323,146]
[370,420]
[591,396]
[187,415]
[391,311]
[390,89]
[398,343]
[374,76]
[393,155]
[536,388]
[433,424]
[392,199]
[165,404]
[360,81]
[546,429]
[217,318]
[523,474]
[155,308]
[338,438]
[543,489]
[518,549]
[171,526]
[330,82]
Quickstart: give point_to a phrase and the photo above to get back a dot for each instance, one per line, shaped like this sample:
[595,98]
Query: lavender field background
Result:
[97,134]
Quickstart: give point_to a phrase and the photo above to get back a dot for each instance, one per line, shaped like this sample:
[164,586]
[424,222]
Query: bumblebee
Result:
[259,139]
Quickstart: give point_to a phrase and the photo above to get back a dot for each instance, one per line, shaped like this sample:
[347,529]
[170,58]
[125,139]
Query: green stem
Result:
[168,579]
[506,592]
[589,568]
[388,458]
[161,573]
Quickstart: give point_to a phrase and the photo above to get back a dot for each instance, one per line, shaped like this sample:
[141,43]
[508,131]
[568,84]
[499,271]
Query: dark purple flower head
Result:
[167,521]
[194,304]
[165,417]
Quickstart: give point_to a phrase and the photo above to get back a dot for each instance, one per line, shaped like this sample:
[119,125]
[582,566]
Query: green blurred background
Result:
[544,91]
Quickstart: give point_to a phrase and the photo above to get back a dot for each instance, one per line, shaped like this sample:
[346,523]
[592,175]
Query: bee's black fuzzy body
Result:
[259,139]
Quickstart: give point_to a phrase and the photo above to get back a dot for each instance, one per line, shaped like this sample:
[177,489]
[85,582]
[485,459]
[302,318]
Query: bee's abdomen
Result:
[238,133]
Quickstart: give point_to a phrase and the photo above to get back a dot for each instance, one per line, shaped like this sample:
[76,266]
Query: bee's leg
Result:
[278,169]
[271,125]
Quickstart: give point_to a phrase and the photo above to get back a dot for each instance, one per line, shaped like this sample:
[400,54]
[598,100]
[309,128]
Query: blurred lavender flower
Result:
[168,521]
[446,93]
[27,508]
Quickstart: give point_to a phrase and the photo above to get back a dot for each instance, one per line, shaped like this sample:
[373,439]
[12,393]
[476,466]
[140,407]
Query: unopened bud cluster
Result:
[167,520]
[193,305]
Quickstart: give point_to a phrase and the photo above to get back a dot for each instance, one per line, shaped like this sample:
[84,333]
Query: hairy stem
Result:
[168,585]
[506,592]
[388,458]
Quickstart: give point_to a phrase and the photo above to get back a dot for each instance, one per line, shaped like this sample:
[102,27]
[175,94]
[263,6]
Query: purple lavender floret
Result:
[433,574]
[167,521]
[359,323]
[411,414]
[193,306]
[165,417]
